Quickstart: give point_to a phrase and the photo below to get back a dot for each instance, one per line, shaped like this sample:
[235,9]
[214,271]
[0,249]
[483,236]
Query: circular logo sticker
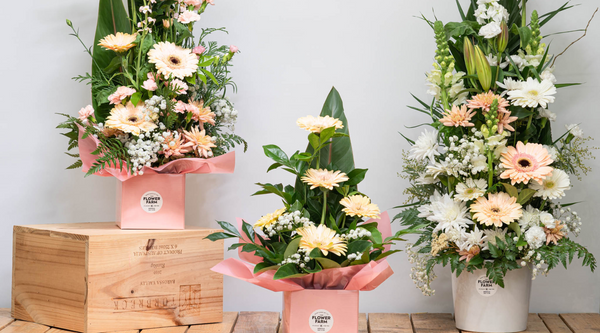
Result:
[485,287]
[320,321]
[151,202]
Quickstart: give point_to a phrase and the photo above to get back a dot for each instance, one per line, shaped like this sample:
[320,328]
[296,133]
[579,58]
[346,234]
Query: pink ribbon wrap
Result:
[221,164]
[360,277]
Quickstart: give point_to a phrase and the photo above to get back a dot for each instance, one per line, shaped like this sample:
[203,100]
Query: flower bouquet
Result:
[486,179]
[158,109]
[319,249]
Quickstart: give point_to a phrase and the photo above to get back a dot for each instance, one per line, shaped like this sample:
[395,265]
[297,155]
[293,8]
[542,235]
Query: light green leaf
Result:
[511,190]
[292,247]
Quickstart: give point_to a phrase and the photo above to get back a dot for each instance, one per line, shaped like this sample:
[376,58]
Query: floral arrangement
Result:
[157,94]
[487,179]
[323,224]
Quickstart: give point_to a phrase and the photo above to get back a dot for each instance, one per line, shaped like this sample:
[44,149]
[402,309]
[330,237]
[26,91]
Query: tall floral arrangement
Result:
[158,93]
[325,222]
[487,177]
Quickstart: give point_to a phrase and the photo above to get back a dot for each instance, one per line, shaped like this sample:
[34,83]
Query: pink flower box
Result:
[321,311]
[152,202]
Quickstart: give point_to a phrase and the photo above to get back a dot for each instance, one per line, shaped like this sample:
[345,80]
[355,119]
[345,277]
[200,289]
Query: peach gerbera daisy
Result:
[525,162]
[321,238]
[173,60]
[497,209]
[316,125]
[269,219]
[484,101]
[459,116]
[504,120]
[120,42]
[324,178]
[555,234]
[200,113]
[175,145]
[359,205]
[129,119]
[201,143]
[468,254]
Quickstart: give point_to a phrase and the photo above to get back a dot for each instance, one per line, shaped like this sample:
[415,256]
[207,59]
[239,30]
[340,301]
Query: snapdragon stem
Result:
[524,13]
[528,125]
[490,170]
[324,207]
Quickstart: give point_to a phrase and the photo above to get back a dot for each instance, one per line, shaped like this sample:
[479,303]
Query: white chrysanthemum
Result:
[476,237]
[548,74]
[553,187]
[533,94]
[471,189]
[575,130]
[530,218]
[447,212]
[426,146]
[492,234]
[174,60]
[535,237]
[490,30]
[455,234]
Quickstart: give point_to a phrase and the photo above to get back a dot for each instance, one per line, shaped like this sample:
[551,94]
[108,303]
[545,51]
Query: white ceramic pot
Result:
[482,306]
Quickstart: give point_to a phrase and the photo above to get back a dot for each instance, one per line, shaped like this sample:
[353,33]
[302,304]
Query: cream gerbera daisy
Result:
[324,178]
[316,125]
[321,238]
[458,116]
[202,143]
[129,119]
[173,60]
[533,93]
[526,162]
[497,209]
[471,189]
[269,219]
[359,205]
[484,102]
[552,187]
[120,42]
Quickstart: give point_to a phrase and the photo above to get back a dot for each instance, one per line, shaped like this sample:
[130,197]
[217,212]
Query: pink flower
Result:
[210,2]
[233,49]
[199,49]
[150,84]
[180,107]
[179,86]
[85,113]
[121,93]
[195,3]
[188,17]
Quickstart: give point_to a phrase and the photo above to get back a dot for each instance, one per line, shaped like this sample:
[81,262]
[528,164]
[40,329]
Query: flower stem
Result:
[490,170]
[324,207]
[524,13]
[528,125]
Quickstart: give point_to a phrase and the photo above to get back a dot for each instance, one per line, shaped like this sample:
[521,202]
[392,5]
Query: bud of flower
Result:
[502,39]
[199,49]
[166,23]
[233,49]
[494,128]
[69,23]
[485,131]
[469,52]
[484,71]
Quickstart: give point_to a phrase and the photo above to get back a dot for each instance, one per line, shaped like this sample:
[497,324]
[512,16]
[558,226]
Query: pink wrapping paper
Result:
[360,277]
[221,164]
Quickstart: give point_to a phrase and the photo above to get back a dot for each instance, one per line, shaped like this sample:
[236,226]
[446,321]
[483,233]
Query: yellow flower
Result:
[269,219]
[316,125]
[321,238]
[324,178]
[359,205]
[174,60]
[129,119]
[120,42]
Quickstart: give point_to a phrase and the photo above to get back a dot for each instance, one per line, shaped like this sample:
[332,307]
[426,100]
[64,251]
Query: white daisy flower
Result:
[471,189]
[426,146]
[553,186]
[533,94]
[510,84]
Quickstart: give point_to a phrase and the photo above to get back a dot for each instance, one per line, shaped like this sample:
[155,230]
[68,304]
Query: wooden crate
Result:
[94,277]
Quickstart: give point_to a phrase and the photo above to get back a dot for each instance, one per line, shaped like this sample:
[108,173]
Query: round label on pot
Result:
[485,287]
[151,202]
[320,321]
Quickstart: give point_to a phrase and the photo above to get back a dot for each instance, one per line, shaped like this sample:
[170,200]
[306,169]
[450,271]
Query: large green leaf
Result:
[340,151]
[112,18]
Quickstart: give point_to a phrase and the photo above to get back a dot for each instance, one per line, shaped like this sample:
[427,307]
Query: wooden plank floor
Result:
[268,322]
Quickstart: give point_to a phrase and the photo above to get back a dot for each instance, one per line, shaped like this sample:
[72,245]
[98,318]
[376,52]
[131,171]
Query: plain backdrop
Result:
[292,52]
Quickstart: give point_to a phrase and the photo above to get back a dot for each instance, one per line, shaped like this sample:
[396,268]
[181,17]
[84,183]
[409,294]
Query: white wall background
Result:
[374,52]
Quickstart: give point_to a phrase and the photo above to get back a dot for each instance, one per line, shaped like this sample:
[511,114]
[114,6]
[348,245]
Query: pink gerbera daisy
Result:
[484,101]
[525,162]
[459,116]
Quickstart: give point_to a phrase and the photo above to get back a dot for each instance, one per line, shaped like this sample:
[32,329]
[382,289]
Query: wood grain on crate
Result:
[268,322]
